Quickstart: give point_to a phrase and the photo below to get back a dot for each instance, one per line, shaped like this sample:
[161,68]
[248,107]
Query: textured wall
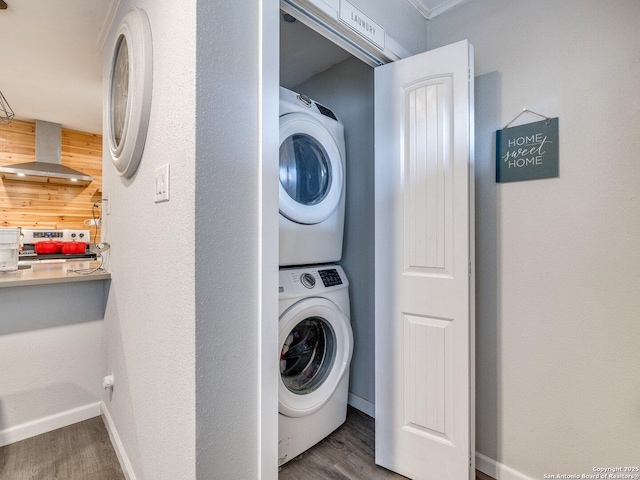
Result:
[236,271]
[557,259]
[347,89]
[149,319]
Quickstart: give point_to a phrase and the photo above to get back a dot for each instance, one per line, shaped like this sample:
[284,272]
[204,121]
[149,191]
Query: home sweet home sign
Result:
[527,152]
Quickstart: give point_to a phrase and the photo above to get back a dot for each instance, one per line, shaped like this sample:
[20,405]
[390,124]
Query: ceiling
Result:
[52,66]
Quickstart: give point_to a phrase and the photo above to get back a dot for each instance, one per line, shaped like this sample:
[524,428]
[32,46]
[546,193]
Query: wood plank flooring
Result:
[82,451]
[346,454]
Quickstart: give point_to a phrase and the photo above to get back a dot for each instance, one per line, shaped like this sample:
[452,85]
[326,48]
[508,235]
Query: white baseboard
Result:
[123,458]
[47,424]
[361,404]
[498,470]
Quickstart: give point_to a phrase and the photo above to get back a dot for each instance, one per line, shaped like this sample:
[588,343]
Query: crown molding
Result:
[430,13]
[109,18]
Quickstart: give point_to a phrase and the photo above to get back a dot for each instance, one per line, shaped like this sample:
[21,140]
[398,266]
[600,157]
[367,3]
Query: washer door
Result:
[316,344]
[311,172]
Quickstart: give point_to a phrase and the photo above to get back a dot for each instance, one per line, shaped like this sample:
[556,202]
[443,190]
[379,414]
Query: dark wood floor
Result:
[346,454]
[81,451]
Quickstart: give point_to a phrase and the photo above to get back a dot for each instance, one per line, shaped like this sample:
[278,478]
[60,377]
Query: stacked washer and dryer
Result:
[316,340]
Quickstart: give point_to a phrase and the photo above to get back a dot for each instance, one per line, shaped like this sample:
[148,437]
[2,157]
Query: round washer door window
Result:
[311,170]
[316,344]
[307,355]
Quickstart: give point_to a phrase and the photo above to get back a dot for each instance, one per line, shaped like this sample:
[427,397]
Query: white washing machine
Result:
[316,345]
[312,182]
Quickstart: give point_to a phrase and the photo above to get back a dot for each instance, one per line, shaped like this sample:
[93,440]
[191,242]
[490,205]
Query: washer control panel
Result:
[300,282]
[330,277]
[308,280]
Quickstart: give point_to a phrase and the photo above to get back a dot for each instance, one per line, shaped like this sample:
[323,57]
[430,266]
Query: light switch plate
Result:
[161,183]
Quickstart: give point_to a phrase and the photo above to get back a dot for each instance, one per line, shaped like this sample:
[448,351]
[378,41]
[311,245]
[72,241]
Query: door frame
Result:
[322,16]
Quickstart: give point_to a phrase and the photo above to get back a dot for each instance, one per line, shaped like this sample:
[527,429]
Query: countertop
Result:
[45,273]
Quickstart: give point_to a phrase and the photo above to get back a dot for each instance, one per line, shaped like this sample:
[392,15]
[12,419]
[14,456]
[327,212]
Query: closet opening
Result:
[317,69]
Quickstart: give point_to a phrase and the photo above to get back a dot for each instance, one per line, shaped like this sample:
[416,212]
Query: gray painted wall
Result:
[347,89]
[184,334]
[236,275]
[50,345]
[557,260]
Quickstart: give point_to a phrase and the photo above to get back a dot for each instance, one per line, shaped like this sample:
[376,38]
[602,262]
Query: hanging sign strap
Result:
[526,110]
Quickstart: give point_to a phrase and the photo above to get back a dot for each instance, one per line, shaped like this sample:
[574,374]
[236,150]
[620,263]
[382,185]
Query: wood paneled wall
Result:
[34,205]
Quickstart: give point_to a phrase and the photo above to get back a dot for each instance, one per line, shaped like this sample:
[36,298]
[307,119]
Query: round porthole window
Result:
[129,92]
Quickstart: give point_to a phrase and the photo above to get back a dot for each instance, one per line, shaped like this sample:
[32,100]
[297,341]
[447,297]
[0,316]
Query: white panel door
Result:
[424,263]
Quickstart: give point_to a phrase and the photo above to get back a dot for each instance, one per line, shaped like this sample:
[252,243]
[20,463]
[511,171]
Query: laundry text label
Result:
[361,23]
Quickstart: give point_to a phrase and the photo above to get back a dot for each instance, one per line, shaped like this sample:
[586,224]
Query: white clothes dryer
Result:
[312,182]
[316,345]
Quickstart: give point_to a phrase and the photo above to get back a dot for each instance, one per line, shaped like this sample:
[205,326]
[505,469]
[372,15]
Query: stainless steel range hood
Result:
[48,166]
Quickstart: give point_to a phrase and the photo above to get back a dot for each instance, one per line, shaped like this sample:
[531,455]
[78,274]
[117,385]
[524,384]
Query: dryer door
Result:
[316,344]
[311,170]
